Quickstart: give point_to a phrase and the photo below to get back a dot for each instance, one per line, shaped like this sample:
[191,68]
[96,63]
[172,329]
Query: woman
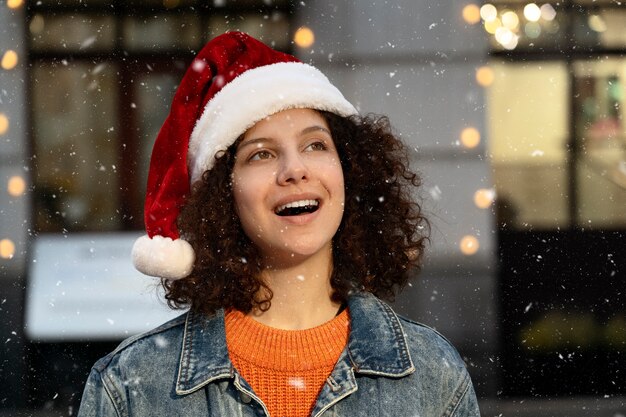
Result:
[278,215]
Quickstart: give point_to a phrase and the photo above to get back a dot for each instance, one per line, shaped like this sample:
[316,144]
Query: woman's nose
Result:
[292,170]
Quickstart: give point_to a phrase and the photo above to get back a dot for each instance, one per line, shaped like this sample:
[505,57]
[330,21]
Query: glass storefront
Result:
[558,151]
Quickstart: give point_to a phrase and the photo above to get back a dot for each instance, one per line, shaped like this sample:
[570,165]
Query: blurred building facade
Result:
[513,113]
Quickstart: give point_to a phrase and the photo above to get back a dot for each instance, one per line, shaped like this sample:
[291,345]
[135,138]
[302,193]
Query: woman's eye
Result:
[317,146]
[260,155]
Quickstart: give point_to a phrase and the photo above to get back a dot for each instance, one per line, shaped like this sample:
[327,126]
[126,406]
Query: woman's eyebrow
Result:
[255,141]
[315,128]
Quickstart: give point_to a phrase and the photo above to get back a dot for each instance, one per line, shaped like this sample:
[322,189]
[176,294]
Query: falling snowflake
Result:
[297,383]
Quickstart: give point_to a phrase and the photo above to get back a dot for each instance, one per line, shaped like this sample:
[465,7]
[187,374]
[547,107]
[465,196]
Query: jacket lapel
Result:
[204,355]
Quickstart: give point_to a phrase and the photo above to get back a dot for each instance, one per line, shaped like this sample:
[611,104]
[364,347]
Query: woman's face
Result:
[288,185]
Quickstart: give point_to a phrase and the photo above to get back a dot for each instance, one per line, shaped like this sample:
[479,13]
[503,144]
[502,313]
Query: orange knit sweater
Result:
[285,368]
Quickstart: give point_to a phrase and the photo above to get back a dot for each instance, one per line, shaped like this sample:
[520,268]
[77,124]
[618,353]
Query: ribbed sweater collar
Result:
[286,350]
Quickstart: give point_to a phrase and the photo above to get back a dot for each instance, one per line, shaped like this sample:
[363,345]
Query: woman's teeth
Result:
[297,207]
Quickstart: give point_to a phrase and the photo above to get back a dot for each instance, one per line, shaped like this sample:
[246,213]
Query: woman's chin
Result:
[297,254]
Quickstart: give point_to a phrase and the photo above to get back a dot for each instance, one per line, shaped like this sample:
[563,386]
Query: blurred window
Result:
[89,32]
[161,32]
[528,114]
[555,114]
[557,143]
[102,80]
[600,132]
[603,28]
[75,123]
[271,28]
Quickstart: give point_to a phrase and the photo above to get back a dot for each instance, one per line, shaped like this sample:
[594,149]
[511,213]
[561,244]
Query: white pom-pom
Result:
[163,257]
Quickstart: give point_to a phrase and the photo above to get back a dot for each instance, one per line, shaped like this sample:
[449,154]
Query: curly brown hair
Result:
[380,239]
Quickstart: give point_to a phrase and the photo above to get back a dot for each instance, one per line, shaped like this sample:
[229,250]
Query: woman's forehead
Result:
[288,118]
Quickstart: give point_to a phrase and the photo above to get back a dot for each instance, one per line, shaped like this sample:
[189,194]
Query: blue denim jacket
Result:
[391,367]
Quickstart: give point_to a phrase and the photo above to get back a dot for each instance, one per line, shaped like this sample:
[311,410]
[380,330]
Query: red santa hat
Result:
[232,83]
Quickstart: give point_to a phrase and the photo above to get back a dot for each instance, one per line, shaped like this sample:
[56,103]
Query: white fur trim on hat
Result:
[163,257]
[254,95]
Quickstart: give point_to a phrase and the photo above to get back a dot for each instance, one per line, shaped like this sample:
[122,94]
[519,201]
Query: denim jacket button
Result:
[245,398]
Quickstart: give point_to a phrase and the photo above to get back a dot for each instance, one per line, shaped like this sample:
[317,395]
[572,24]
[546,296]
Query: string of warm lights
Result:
[470,137]
[16,185]
[507,26]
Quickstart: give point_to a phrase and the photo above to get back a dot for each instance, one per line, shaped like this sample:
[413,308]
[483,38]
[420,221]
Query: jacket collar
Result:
[376,346]
[377,343]
[204,356]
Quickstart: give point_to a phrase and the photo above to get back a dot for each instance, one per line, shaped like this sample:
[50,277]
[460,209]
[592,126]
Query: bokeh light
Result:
[470,137]
[547,12]
[507,38]
[4,124]
[36,25]
[16,186]
[471,14]
[532,12]
[492,25]
[596,23]
[7,249]
[304,37]
[484,197]
[484,76]
[510,20]
[488,12]
[14,4]
[504,35]
[532,30]
[469,245]
[9,59]
[511,43]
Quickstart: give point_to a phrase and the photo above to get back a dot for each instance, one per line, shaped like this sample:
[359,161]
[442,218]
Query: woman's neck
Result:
[301,294]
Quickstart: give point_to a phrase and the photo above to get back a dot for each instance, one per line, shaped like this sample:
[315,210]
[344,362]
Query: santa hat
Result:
[232,83]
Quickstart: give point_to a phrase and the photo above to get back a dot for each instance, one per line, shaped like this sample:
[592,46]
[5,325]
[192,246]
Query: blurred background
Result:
[513,112]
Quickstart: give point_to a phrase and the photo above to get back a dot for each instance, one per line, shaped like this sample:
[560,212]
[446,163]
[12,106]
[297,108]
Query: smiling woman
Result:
[366,256]
[279,216]
[288,187]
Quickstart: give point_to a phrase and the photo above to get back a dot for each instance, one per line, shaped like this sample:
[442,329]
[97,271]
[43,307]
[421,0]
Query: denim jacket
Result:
[390,367]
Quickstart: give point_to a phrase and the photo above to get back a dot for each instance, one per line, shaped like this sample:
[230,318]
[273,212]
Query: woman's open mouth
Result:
[296,208]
